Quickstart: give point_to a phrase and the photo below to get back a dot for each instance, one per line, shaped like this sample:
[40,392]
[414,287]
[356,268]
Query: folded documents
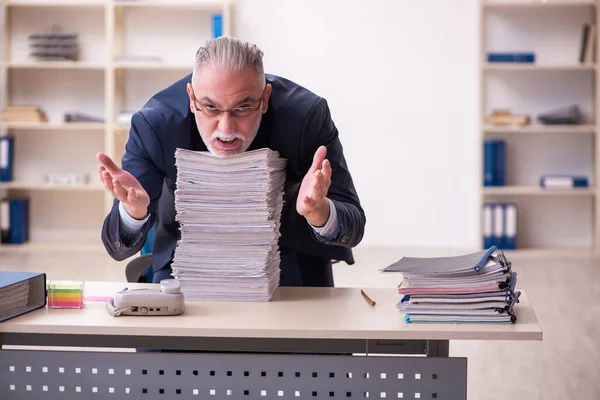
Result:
[476,287]
[229,210]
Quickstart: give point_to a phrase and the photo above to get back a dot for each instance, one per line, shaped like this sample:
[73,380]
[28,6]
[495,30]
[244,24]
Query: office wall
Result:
[401,80]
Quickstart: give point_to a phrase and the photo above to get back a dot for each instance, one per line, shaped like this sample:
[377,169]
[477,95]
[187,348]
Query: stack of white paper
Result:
[476,287]
[229,211]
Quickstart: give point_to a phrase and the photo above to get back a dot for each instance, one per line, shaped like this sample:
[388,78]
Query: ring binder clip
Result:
[405,298]
[484,258]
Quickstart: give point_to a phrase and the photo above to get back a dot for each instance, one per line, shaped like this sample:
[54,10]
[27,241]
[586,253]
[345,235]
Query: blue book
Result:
[516,57]
[498,235]
[6,158]
[563,181]
[494,162]
[500,166]
[510,226]
[488,226]
[489,162]
[217,25]
[19,221]
[21,292]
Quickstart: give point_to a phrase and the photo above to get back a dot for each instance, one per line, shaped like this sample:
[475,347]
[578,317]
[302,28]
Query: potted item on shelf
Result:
[570,115]
[505,117]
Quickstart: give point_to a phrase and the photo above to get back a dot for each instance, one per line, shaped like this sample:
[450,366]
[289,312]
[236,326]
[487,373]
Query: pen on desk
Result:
[367,298]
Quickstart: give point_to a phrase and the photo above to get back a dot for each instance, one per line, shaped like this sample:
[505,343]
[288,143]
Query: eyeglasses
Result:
[239,111]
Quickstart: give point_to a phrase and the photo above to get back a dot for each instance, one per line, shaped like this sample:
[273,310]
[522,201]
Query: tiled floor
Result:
[565,294]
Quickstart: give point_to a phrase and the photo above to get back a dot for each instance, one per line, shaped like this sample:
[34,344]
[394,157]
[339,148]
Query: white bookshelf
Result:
[70,217]
[551,222]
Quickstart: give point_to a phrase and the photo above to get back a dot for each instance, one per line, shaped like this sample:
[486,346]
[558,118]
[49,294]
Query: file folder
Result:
[510,231]
[21,292]
[6,158]
[4,221]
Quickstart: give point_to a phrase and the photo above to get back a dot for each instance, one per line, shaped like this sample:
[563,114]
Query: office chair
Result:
[140,268]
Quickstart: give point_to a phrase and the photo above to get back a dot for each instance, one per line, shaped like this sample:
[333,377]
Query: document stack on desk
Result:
[476,287]
[229,209]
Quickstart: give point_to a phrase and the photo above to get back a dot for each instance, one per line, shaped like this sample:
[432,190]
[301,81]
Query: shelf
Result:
[75,126]
[33,247]
[20,185]
[199,4]
[536,191]
[152,66]
[538,128]
[54,3]
[536,67]
[537,4]
[54,65]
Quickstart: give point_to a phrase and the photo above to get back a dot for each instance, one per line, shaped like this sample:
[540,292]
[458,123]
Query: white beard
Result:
[217,134]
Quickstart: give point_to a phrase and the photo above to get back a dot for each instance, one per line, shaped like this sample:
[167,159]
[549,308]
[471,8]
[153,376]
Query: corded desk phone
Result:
[167,300]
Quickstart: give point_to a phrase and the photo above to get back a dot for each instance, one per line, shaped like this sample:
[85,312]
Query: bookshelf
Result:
[163,37]
[551,222]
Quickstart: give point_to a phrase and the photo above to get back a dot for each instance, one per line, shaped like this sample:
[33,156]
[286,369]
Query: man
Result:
[231,106]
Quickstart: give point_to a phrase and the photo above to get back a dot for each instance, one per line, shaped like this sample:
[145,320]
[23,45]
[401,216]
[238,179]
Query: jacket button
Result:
[344,239]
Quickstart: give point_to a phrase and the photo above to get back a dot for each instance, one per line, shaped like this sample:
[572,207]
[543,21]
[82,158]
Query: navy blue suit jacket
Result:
[296,123]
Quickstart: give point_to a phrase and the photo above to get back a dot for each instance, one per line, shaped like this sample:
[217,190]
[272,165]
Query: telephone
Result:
[168,300]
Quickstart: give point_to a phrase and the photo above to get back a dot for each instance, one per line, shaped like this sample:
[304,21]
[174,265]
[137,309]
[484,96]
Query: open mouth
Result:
[228,142]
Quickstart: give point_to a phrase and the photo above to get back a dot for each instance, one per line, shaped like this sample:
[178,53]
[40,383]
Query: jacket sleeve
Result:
[318,130]
[143,159]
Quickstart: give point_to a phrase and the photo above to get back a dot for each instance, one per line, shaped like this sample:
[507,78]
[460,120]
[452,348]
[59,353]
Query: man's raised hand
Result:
[123,186]
[312,198]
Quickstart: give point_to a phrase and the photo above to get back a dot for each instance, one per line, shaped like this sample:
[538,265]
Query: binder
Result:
[510,231]
[6,158]
[488,226]
[217,25]
[19,220]
[21,292]
[520,57]
[494,162]
[563,181]
[498,236]
[4,221]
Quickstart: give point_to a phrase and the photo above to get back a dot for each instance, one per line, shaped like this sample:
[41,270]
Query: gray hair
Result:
[229,53]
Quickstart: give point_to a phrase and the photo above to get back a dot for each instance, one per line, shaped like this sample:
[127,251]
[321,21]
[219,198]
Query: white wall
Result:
[401,78]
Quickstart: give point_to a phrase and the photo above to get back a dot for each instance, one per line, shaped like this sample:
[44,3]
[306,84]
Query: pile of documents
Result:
[476,287]
[229,210]
[23,114]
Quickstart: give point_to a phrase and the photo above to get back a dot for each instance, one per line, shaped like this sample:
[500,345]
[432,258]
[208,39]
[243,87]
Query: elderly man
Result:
[232,106]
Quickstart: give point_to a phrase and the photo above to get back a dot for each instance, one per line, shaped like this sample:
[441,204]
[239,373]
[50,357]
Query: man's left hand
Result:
[312,198]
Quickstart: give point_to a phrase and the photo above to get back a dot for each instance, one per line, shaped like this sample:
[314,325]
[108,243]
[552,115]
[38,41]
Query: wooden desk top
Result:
[311,313]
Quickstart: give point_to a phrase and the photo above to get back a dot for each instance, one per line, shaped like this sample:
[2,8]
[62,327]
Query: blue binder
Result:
[217,25]
[19,221]
[518,57]
[26,291]
[572,181]
[494,162]
[6,158]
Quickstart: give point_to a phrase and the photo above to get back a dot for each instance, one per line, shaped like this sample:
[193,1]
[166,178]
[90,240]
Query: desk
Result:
[306,343]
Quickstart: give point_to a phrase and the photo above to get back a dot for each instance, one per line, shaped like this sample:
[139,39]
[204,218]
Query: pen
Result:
[367,298]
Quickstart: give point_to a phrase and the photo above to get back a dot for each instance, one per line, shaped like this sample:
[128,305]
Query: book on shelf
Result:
[494,162]
[217,25]
[587,49]
[14,220]
[476,287]
[500,225]
[24,114]
[7,144]
[563,181]
[569,115]
[21,292]
[504,117]
[511,57]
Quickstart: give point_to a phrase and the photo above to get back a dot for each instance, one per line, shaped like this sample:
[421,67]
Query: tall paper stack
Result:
[229,210]
[476,287]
